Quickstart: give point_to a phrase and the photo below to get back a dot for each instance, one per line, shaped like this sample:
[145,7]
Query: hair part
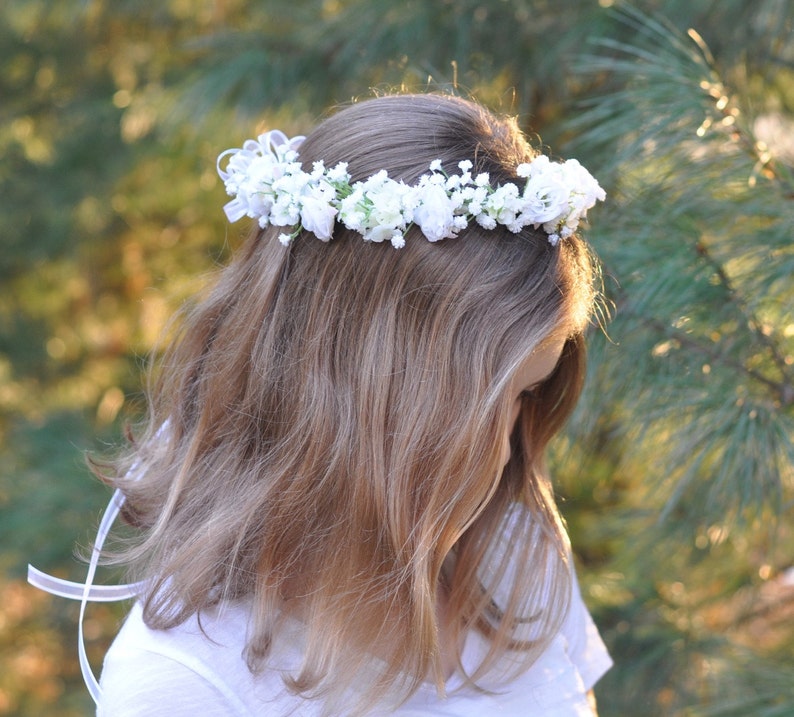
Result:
[333,417]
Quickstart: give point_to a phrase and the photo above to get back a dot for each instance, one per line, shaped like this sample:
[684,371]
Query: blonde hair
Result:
[334,416]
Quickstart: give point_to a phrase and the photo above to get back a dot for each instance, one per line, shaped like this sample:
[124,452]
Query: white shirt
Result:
[193,670]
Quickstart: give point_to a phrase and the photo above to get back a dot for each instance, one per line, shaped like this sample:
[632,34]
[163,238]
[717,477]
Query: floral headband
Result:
[268,183]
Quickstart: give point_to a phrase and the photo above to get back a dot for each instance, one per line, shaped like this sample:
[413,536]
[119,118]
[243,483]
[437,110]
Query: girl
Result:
[341,493]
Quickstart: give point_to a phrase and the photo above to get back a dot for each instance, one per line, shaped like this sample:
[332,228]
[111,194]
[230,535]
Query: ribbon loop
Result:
[88,592]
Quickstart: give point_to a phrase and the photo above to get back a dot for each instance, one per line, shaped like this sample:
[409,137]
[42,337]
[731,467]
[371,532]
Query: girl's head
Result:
[338,413]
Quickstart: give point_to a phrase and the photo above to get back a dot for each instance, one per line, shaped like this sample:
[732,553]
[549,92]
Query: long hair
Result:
[333,421]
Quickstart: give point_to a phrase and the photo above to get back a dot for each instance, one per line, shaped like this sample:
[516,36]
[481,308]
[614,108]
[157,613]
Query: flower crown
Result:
[268,183]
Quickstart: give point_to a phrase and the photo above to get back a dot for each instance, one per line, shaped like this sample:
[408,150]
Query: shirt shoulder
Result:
[198,667]
[137,682]
[583,642]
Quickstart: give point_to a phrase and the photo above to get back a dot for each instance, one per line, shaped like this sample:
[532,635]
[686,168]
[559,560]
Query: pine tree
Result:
[690,405]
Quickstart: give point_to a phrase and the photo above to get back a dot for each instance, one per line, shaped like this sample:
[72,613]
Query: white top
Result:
[200,670]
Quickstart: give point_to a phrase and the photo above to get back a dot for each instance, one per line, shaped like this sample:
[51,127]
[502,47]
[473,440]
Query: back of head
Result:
[334,416]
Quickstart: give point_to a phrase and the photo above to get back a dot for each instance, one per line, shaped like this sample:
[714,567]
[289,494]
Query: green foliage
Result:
[698,234]
[676,475]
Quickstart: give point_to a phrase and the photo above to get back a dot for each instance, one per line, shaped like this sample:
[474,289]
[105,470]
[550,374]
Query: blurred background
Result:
[675,475]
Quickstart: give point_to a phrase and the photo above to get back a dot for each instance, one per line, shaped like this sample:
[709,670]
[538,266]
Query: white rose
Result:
[545,197]
[435,215]
[318,216]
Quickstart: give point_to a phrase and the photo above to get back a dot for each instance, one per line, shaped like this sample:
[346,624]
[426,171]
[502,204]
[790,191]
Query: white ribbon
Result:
[88,592]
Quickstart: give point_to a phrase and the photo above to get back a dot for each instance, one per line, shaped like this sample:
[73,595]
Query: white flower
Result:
[388,207]
[287,191]
[486,221]
[545,197]
[338,174]
[435,215]
[317,214]
[523,169]
[459,223]
[352,211]
[453,183]
[318,171]
[463,179]
[502,204]
[559,195]
[475,197]
[398,240]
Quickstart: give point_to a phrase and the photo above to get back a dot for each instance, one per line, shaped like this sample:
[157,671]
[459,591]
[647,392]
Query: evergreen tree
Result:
[696,435]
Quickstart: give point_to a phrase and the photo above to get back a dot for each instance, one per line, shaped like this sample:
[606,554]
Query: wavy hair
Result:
[335,415]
